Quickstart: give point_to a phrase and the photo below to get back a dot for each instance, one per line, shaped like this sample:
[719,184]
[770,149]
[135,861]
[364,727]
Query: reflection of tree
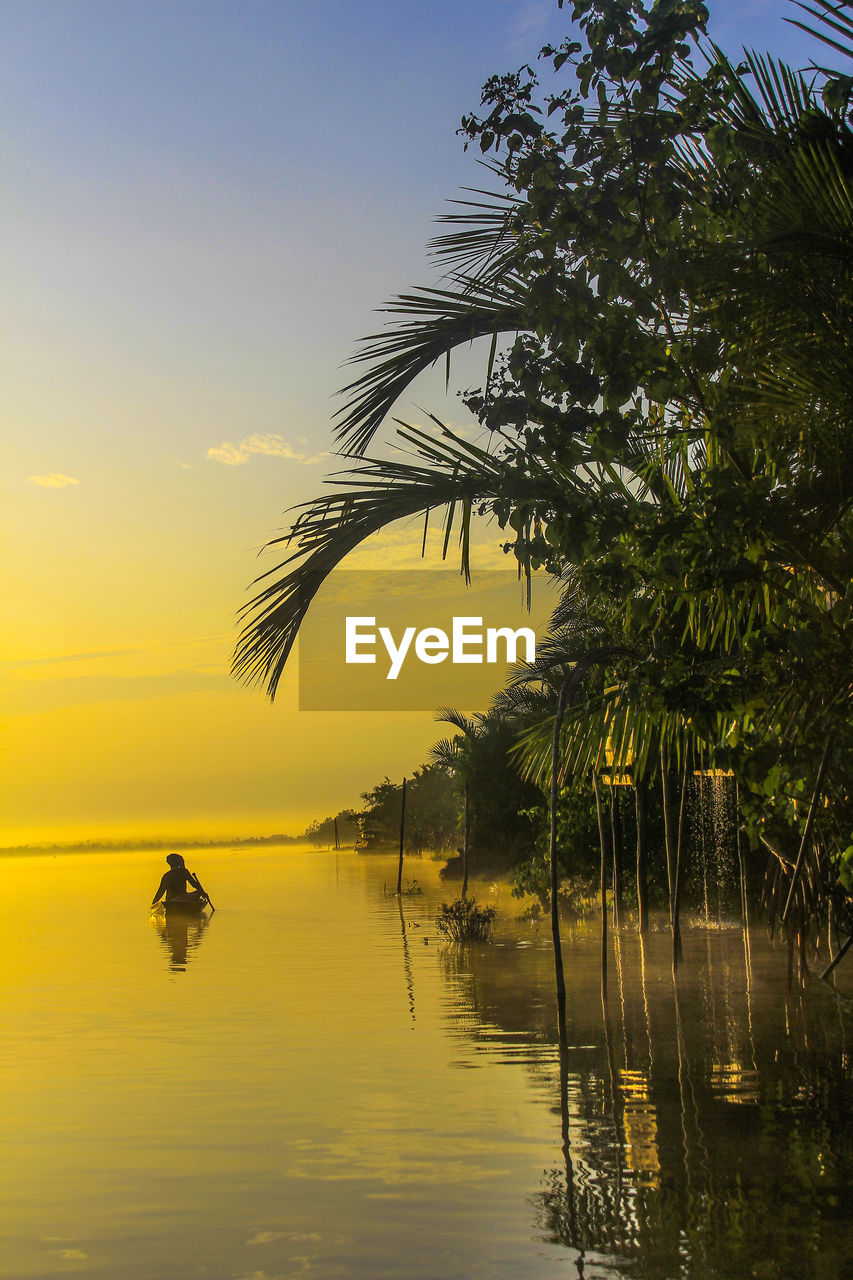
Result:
[181,934]
[407,961]
[703,1133]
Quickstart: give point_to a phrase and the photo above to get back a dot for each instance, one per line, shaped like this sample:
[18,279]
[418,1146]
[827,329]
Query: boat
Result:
[185,906]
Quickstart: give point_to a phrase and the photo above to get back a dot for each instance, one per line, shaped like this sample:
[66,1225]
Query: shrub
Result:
[463,920]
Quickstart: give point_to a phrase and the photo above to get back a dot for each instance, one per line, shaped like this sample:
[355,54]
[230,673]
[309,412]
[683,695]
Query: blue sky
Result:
[222,192]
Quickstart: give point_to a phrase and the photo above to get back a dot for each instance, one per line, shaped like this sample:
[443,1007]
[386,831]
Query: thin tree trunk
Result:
[741,862]
[839,957]
[402,838]
[603,888]
[642,884]
[795,875]
[466,844]
[615,833]
[552,856]
[676,892]
[668,834]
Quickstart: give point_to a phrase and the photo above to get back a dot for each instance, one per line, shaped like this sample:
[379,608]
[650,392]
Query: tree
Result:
[496,800]
[673,418]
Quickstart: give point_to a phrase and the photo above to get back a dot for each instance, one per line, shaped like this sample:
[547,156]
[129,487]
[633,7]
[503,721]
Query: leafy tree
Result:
[430,812]
[498,805]
[321,833]
[671,248]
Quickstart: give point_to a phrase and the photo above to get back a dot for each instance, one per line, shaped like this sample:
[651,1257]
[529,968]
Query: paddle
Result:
[204,893]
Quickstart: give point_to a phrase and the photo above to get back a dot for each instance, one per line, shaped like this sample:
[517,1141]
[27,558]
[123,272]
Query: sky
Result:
[204,204]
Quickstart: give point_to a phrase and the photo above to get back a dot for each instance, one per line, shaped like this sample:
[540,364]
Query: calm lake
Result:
[312,1083]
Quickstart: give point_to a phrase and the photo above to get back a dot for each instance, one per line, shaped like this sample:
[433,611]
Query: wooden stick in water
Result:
[402,837]
[839,957]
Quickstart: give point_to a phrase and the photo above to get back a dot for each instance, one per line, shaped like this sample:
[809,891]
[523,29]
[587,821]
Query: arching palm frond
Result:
[525,702]
[610,728]
[835,16]
[666,464]
[484,239]
[375,494]
[448,474]
[439,321]
[577,647]
[778,286]
[446,752]
[465,724]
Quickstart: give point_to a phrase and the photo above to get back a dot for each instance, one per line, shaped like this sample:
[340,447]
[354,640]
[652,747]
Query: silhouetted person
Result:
[175,884]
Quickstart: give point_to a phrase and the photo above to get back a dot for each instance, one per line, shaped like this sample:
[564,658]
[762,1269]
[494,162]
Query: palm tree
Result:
[453,753]
[495,796]
[676,267]
[507,271]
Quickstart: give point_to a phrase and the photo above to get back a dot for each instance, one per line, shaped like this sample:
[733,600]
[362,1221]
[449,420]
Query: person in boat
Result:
[180,886]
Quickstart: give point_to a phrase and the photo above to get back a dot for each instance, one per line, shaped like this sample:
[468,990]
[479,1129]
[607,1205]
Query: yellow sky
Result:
[120,716]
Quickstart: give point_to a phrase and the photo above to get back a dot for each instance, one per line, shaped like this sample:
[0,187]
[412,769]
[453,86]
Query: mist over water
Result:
[311,1083]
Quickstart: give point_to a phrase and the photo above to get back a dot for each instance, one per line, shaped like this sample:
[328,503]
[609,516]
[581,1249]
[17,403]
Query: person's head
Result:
[175,861]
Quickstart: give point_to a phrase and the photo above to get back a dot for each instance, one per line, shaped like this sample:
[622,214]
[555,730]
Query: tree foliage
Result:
[670,254]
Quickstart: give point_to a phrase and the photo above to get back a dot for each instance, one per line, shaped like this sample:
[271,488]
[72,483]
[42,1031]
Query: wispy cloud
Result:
[31,697]
[234,455]
[528,24]
[299,1237]
[163,646]
[53,481]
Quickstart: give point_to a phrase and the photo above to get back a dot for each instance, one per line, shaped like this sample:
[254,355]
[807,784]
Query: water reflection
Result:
[705,1120]
[407,962]
[181,933]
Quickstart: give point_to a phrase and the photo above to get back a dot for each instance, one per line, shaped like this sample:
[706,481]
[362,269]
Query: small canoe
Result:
[185,906]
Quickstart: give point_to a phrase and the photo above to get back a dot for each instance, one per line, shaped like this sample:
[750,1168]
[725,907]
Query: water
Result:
[312,1084]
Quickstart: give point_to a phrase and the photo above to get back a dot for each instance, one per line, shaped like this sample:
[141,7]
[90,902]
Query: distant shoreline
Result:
[128,846]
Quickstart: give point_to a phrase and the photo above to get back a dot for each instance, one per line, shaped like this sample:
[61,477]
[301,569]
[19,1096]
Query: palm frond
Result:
[450,715]
[448,473]
[440,321]
[837,15]
[525,701]
[484,239]
[446,752]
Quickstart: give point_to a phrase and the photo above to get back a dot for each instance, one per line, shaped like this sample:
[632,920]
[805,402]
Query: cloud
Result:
[53,481]
[234,455]
[261,1275]
[151,647]
[528,23]
[300,1237]
[34,696]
